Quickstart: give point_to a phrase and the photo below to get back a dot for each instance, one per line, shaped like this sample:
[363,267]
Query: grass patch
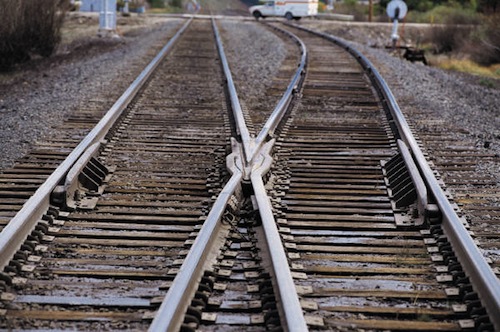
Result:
[166,10]
[468,66]
[28,28]
[445,15]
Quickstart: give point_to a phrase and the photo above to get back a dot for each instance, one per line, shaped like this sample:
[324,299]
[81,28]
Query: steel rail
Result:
[233,96]
[23,223]
[293,319]
[483,278]
[252,146]
[291,309]
[170,315]
[422,200]
[279,111]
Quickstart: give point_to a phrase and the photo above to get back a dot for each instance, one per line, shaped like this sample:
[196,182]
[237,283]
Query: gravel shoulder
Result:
[40,94]
[457,98]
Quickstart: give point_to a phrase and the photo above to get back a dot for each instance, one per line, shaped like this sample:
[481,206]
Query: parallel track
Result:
[350,264]
[109,264]
[360,270]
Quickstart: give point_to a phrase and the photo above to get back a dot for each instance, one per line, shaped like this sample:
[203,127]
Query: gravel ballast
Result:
[41,94]
[456,98]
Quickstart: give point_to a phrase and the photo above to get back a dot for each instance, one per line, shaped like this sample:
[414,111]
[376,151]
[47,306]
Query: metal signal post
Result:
[396,10]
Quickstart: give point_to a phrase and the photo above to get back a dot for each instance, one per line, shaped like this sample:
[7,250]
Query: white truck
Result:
[290,9]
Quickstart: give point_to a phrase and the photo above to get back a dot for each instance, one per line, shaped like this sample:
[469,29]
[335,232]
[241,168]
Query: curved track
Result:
[360,270]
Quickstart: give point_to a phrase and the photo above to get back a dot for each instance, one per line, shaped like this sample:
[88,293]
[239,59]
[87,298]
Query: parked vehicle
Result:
[290,9]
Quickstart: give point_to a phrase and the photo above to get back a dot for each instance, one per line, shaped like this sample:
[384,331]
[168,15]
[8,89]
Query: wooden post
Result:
[370,11]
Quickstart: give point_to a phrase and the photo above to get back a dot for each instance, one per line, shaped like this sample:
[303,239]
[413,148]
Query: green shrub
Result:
[176,3]
[158,3]
[132,4]
[351,7]
[452,15]
[29,27]
[454,28]
[485,45]
[462,31]
[449,38]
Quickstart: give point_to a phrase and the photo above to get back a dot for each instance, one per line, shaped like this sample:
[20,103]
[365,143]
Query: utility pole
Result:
[370,11]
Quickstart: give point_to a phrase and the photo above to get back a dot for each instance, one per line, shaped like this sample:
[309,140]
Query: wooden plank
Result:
[15,194]
[144,219]
[337,198]
[173,203]
[391,311]
[161,185]
[125,199]
[156,190]
[331,224]
[118,252]
[340,191]
[329,218]
[350,185]
[113,273]
[394,325]
[10,207]
[119,242]
[74,315]
[124,235]
[80,300]
[403,234]
[384,259]
[131,226]
[380,293]
[145,210]
[341,270]
[61,262]
[402,243]
[74,284]
[339,210]
[375,180]
[360,249]
[313,176]
[164,180]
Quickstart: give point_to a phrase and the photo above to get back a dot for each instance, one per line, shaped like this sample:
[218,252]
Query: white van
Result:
[290,9]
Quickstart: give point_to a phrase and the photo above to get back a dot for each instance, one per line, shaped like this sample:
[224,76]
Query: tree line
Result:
[482,6]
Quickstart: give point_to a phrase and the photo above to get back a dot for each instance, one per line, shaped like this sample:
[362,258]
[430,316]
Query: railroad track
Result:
[465,170]
[167,158]
[185,215]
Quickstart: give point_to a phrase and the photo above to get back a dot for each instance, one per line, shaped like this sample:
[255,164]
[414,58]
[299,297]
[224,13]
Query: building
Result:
[90,5]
